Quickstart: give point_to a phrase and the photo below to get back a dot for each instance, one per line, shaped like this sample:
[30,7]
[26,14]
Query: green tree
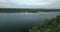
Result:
[52,25]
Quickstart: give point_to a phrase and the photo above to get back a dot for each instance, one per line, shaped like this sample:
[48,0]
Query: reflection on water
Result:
[24,19]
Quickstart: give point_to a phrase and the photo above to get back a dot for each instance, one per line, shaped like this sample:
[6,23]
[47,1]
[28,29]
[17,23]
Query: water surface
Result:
[24,19]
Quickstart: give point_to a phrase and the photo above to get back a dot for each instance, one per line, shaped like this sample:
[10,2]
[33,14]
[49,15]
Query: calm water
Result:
[23,19]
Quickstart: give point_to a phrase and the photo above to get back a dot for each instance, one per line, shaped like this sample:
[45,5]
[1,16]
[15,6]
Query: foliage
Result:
[52,25]
[13,10]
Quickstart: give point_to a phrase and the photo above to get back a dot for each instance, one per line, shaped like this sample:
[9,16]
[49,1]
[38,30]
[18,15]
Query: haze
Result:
[48,4]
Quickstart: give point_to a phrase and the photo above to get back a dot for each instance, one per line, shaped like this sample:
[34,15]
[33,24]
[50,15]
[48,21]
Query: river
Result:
[23,19]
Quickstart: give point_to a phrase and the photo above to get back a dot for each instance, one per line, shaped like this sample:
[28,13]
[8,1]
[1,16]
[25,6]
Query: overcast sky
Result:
[55,4]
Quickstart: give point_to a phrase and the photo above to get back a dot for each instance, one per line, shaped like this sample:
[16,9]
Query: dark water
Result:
[12,22]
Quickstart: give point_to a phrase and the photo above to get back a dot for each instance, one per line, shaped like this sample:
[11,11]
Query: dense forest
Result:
[52,25]
[13,10]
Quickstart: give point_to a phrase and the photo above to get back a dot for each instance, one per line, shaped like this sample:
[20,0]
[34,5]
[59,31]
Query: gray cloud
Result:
[55,4]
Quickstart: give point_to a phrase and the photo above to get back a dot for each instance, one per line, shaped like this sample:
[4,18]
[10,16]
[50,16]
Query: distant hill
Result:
[9,10]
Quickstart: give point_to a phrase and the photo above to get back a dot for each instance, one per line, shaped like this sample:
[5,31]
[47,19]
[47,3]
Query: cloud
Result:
[30,4]
[3,1]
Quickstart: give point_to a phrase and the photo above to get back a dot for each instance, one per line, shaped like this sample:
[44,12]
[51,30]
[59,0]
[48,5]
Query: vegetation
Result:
[9,10]
[52,25]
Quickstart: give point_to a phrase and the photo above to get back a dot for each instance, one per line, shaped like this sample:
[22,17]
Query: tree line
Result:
[28,10]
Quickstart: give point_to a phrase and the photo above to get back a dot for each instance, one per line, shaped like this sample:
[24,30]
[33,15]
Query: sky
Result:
[48,4]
